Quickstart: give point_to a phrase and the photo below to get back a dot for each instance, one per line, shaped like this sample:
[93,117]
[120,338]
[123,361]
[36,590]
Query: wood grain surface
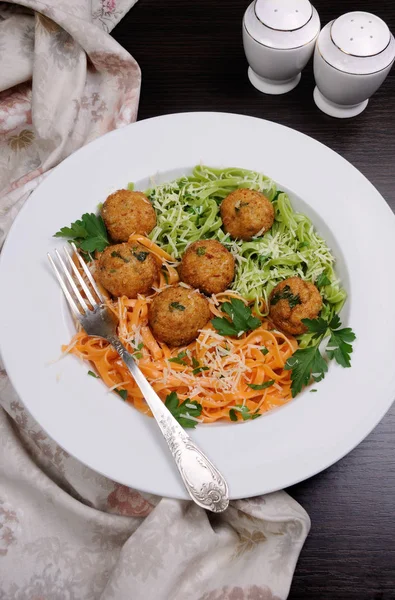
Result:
[192,58]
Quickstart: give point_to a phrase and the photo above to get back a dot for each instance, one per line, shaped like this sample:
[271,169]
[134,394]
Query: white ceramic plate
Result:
[267,454]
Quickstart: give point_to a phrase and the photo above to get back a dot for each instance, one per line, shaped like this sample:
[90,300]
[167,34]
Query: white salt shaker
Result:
[279,38]
[353,56]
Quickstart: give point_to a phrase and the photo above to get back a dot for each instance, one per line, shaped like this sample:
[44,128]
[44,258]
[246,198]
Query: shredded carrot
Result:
[226,366]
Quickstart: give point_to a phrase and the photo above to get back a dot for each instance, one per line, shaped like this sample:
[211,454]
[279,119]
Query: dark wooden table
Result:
[191,56]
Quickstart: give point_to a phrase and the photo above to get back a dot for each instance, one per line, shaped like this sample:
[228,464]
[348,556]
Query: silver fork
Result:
[203,481]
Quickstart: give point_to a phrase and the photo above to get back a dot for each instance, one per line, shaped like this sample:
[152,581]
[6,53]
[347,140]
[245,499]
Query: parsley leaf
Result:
[318,326]
[264,350]
[305,364]
[339,346]
[232,415]
[196,366]
[92,374]
[308,363]
[88,233]
[172,403]
[244,411]
[261,386]
[242,319]
[286,294]
[180,358]
[201,251]
[122,393]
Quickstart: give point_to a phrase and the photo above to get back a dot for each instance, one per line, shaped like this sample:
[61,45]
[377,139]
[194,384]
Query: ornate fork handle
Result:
[204,482]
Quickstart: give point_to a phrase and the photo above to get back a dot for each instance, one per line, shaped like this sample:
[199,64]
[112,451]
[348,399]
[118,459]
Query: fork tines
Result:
[77,302]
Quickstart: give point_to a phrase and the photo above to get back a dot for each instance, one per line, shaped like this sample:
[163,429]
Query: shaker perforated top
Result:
[282,25]
[284,16]
[360,34]
[357,43]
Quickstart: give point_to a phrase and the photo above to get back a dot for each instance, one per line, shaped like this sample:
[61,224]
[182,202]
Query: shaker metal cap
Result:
[358,43]
[282,24]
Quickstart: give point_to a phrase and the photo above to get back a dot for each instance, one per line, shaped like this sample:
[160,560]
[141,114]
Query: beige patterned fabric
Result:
[66,532]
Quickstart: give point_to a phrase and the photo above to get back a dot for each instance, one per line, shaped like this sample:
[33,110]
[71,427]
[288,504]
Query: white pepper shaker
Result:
[279,38]
[352,58]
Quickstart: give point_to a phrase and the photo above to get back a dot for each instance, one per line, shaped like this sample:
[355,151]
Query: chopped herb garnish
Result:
[261,386]
[277,195]
[180,358]
[92,374]
[201,251]
[199,370]
[242,319]
[308,363]
[116,254]
[196,367]
[322,280]
[240,205]
[131,186]
[304,245]
[264,351]
[113,270]
[172,403]
[244,412]
[141,256]
[176,306]
[262,259]
[312,391]
[88,233]
[232,415]
[122,393]
[286,294]
[166,276]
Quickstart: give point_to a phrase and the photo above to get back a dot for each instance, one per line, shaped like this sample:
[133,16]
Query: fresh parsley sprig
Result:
[308,363]
[241,319]
[189,407]
[88,234]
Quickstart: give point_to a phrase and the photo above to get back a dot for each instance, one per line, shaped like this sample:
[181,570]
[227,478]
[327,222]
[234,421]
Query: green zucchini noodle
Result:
[188,210]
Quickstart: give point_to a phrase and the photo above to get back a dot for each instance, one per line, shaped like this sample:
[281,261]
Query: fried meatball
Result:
[208,266]
[126,212]
[127,270]
[177,314]
[245,213]
[293,300]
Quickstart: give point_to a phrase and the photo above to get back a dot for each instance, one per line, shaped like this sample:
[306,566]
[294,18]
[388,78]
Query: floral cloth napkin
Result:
[66,532]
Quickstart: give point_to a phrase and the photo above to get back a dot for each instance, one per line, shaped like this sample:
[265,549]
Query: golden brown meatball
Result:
[208,266]
[127,270]
[126,212]
[177,314]
[245,213]
[293,300]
